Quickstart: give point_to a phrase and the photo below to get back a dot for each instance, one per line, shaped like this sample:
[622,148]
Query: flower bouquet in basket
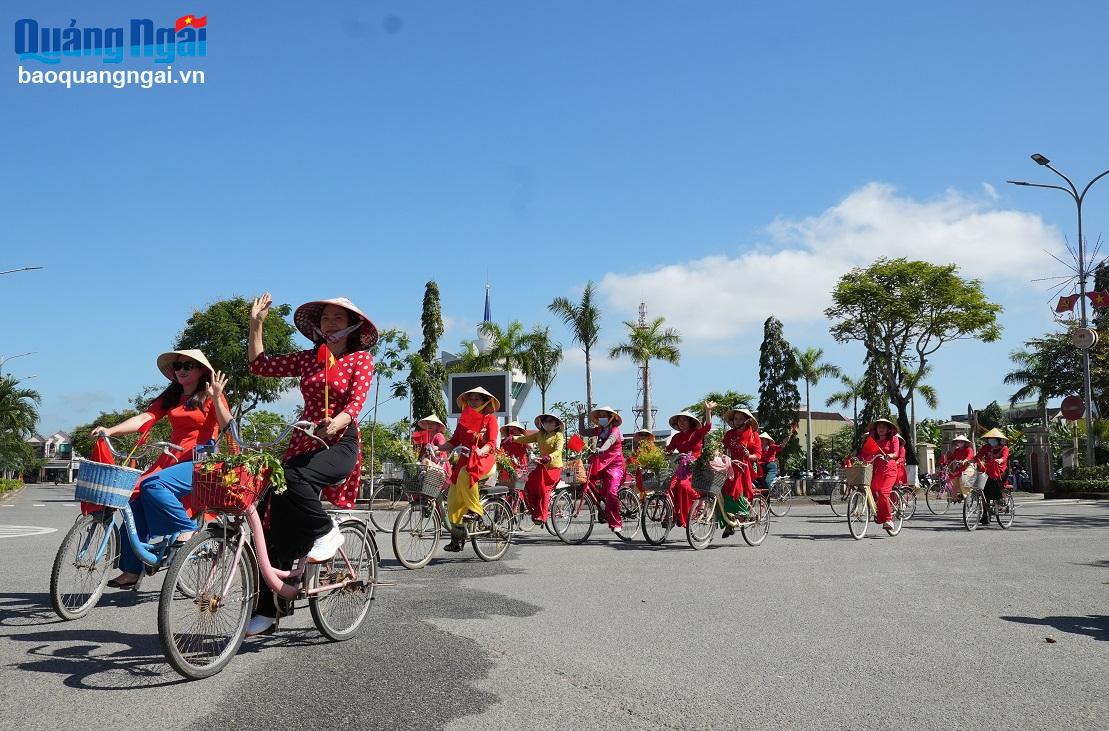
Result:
[506,469]
[652,461]
[858,472]
[234,481]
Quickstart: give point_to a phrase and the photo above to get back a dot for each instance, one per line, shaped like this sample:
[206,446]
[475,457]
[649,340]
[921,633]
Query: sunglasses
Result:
[178,365]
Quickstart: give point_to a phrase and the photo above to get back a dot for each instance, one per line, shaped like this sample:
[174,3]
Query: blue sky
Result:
[722,161]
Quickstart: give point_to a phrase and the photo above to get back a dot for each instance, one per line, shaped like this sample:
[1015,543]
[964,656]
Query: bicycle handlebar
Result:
[306,427]
[165,446]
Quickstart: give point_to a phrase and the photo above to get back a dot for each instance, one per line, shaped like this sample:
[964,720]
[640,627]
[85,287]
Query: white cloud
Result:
[721,297]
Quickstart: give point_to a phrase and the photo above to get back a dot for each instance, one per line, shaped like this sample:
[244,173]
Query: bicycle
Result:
[837,498]
[861,506]
[780,496]
[200,633]
[91,547]
[708,510]
[522,521]
[419,526]
[657,514]
[576,507]
[1004,510]
[908,500]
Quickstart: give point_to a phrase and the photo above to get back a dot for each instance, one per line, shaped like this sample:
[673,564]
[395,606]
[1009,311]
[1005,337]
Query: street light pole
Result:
[1072,191]
[5,359]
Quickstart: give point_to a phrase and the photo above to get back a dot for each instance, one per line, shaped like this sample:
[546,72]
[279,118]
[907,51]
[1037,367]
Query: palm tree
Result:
[543,359]
[508,347]
[928,393]
[852,391]
[584,321]
[812,369]
[18,406]
[1032,374]
[646,343]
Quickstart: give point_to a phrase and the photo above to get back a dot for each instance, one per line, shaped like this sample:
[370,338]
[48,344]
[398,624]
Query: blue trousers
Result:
[158,511]
[771,469]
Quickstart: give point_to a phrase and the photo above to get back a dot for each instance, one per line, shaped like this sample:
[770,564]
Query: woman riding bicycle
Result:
[197,411]
[743,446]
[515,451]
[429,441]
[642,439]
[956,461]
[993,458]
[548,468]
[608,468]
[334,380]
[882,450]
[688,441]
[475,441]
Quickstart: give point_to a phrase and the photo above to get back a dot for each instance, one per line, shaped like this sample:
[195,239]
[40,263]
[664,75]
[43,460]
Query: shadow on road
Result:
[1092,625]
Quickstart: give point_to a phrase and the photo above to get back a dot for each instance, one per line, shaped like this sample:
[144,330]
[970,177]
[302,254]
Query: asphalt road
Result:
[934,629]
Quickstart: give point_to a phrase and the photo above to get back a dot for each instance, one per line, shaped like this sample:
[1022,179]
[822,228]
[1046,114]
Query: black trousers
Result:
[992,491]
[297,517]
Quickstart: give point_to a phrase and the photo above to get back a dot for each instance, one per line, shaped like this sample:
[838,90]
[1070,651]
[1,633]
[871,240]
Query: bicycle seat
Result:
[496,489]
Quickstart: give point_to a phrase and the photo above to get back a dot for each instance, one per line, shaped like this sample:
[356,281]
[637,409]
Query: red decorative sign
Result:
[1073,408]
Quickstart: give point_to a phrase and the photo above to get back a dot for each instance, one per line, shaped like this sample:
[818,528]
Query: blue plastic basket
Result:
[105,484]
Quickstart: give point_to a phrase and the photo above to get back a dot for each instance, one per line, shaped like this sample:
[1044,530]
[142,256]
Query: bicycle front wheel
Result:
[200,634]
[908,502]
[1006,510]
[972,510]
[385,504]
[339,613]
[630,508]
[702,522]
[757,528]
[858,514]
[495,536]
[838,499]
[897,510]
[781,497]
[416,534]
[81,568]
[658,517]
[572,517]
[937,498]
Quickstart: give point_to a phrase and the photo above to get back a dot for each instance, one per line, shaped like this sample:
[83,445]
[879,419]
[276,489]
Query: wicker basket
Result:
[708,481]
[217,488]
[428,480]
[657,481]
[858,474]
[105,484]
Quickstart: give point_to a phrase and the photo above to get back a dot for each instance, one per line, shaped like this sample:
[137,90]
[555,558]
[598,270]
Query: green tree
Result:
[926,392]
[392,443]
[828,450]
[220,331]
[875,398]
[724,400]
[584,320]
[644,344]
[544,358]
[568,411]
[779,399]
[812,369]
[509,347]
[427,376]
[929,431]
[851,393]
[991,417]
[262,425]
[16,455]
[18,407]
[390,354]
[903,312]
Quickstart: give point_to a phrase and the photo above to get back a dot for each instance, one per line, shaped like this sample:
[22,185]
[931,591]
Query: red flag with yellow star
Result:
[1099,299]
[190,21]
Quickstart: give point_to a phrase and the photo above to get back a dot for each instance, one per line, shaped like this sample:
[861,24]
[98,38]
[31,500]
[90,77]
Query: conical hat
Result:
[644,432]
[730,414]
[960,438]
[165,361]
[514,425]
[613,414]
[307,318]
[764,435]
[674,420]
[539,421]
[882,420]
[995,433]
[461,400]
[431,419]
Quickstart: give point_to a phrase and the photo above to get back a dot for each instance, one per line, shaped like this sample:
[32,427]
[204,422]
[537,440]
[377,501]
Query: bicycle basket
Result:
[429,480]
[218,488]
[858,474]
[980,481]
[105,484]
[657,481]
[708,481]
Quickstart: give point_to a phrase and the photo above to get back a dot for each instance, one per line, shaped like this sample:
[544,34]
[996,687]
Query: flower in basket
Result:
[505,465]
[650,458]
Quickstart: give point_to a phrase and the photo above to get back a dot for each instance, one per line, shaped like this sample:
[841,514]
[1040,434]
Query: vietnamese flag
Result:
[1066,304]
[576,443]
[471,420]
[190,21]
[1099,299]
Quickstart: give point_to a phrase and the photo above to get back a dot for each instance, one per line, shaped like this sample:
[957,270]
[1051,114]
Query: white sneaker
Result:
[325,546]
[259,624]
[618,531]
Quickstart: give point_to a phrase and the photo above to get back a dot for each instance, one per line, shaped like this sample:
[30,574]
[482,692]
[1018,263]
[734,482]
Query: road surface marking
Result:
[22,531]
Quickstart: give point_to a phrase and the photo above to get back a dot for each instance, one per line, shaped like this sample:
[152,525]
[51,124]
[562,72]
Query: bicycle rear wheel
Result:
[702,523]
[416,534]
[1006,510]
[897,510]
[572,517]
[755,532]
[630,508]
[972,510]
[495,535]
[201,634]
[658,518]
[838,499]
[80,570]
[858,514]
[387,501]
[338,614]
[523,522]
[937,498]
[908,502]
[780,497]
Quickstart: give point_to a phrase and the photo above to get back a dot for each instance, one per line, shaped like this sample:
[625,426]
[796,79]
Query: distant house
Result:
[824,424]
[59,459]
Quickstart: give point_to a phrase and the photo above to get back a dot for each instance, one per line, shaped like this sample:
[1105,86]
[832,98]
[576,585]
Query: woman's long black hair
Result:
[171,397]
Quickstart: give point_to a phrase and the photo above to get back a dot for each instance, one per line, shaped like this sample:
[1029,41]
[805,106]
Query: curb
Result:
[11,494]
